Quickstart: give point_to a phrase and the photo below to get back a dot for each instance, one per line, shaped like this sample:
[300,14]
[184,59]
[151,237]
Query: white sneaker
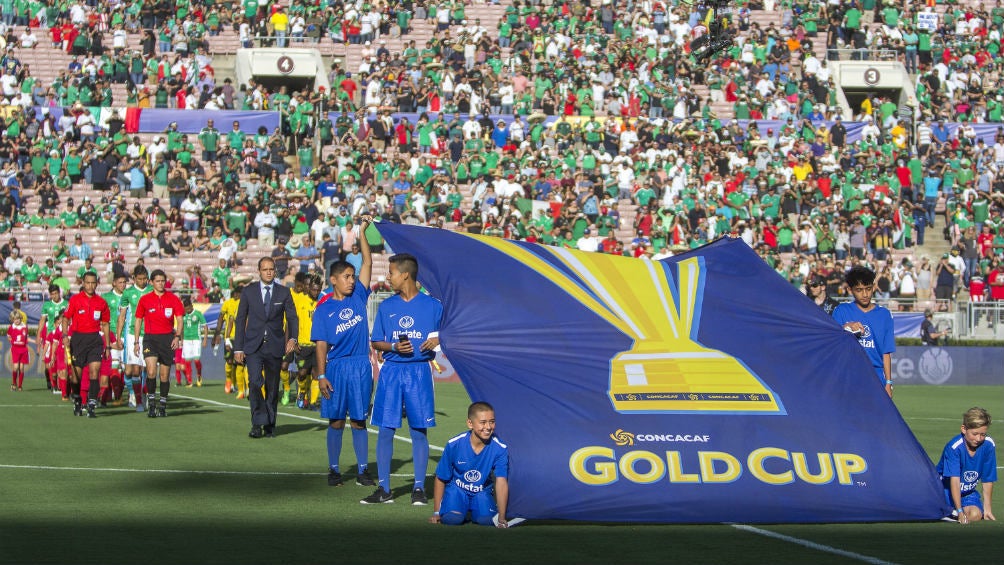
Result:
[132,399]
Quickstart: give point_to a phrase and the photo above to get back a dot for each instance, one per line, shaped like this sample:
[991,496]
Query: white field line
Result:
[813,545]
[298,416]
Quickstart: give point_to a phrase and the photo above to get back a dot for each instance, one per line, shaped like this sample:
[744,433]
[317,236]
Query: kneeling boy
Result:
[969,459]
[464,475]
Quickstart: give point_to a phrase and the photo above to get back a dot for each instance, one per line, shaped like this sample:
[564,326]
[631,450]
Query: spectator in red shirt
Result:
[770,233]
[196,283]
[996,281]
[349,86]
[161,312]
[985,242]
[610,243]
[85,335]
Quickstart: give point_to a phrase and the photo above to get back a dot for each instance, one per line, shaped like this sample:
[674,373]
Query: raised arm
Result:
[366,270]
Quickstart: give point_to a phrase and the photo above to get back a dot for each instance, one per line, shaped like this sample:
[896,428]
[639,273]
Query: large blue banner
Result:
[703,388]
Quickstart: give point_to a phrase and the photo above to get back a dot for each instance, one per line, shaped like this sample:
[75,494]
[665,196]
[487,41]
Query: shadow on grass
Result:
[173,410]
[286,429]
[392,534]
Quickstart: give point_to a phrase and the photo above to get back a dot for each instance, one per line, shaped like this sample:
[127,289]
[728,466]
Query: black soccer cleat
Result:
[334,478]
[364,479]
[152,410]
[78,408]
[162,410]
[90,410]
[379,496]
[418,497]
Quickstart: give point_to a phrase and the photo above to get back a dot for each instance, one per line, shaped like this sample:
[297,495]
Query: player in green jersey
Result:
[134,364]
[194,333]
[114,299]
[51,336]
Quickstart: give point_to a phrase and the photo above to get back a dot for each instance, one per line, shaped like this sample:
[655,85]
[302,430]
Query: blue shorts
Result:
[407,385]
[971,499]
[351,380]
[458,502]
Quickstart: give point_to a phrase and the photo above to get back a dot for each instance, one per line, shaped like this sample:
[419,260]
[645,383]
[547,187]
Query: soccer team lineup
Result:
[307,345]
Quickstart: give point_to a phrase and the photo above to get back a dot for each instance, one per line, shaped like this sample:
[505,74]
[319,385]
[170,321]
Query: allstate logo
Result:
[406,322]
[935,366]
[970,476]
[621,437]
[867,332]
[346,314]
[472,476]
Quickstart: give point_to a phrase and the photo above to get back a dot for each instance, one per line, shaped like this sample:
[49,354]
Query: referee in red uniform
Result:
[85,335]
[161,312]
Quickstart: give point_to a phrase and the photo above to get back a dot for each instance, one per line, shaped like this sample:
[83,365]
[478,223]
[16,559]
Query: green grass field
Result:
[192,488]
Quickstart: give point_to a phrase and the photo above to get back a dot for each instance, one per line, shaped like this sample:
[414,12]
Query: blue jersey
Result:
[342,324]
[416,319]
[878,337]
[971,469]
[462,468]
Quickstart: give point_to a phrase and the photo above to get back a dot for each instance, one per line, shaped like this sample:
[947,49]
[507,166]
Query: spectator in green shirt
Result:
[62,282]
[209,139]
[221,275]
[87,267]
[30,270]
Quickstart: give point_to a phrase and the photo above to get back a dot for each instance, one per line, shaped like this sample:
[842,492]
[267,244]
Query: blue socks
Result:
[334,447]
[361,445]
[420,455]
[385,452]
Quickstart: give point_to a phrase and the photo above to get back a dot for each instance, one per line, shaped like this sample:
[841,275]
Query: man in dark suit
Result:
[266,325]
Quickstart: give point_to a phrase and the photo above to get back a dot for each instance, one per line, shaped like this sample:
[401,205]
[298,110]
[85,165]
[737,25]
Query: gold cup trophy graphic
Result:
[666,370]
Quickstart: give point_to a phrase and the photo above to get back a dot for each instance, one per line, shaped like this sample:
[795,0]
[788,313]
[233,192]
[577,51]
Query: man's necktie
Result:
[268,299]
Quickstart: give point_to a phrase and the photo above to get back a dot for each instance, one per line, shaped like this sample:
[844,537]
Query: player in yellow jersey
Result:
[299,288]
[306,361]
[236,375]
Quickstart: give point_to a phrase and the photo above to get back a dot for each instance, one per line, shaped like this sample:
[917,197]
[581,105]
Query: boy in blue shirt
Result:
[406,331]
[465,472]
[969,458]
[869,322]
[345,375]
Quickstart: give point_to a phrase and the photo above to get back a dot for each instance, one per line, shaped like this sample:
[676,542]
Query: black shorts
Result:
[159,346]
[86,349]
[306,359]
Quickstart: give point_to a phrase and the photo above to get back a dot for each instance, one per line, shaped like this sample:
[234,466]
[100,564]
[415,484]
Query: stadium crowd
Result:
[637,162]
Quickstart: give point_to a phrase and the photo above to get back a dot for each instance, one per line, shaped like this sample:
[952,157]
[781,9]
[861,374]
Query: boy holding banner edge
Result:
[465,473]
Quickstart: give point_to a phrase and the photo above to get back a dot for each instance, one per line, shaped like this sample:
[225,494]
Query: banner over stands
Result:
[702,388]
[154,120]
